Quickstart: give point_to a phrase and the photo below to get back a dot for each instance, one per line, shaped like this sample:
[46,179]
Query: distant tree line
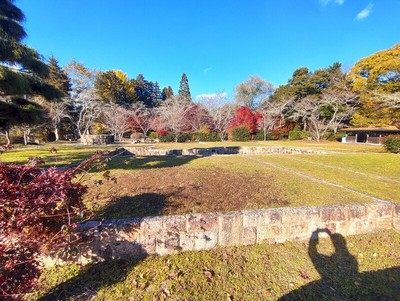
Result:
[40,100]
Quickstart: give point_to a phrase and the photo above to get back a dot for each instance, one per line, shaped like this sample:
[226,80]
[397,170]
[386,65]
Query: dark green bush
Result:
[392,144]
[241,133]
[298,135]
[185,137]
[167,138]
[206,137]
[259,136]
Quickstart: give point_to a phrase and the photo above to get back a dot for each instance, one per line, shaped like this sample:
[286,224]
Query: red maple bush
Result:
[244,116]
[37,208]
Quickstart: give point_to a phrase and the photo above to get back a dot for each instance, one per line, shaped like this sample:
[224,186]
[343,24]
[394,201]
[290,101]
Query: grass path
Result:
[377,177]
[316,179]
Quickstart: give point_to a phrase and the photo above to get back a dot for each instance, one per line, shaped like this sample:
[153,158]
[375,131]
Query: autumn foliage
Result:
[244,116]
[37,209]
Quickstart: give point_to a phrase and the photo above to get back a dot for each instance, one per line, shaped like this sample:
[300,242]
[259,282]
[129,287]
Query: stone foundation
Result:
[193,232]
[229,150]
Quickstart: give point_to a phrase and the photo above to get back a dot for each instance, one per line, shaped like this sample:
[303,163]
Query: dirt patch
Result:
[182,190]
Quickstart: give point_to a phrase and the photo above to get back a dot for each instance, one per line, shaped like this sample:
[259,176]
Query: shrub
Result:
[153,135]
[298,135]
[241,133]
[169,137]
[392,144]
[37,206]
[259,136]
[200,136]
[184,137]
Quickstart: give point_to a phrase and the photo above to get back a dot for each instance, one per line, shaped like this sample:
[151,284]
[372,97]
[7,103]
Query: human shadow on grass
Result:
[340,278]
[142,205]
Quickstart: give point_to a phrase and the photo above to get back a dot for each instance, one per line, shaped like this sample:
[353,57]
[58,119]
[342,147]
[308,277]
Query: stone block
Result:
[205,240]
[385,209]
[249,236]
[203,222]
[357,211]
[274,216]
[301,214]
[396,217]
[168,244]
[333,213]
[230,229]
[148,243]
[151,226]
[175,223]
[186,241]
[269,232]
[255,218]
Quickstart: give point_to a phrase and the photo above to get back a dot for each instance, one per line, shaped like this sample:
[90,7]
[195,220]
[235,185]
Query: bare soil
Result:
[181,190]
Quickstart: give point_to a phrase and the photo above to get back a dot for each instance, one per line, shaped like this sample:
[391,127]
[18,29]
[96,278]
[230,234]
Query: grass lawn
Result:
[148,186]
[367,268]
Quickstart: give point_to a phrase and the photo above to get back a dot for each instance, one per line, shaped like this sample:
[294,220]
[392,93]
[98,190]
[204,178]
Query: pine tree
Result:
[22,72]
[166,93]
[184,90]
[58,78]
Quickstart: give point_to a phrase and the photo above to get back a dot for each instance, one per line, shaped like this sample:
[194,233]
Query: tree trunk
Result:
[7,135]
[26,136]
[56,133]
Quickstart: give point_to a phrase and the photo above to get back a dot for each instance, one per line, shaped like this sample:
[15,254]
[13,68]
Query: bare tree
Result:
[342,104]
[172,115]
[84,100]
[221,112]
[115,118]
[56,112]
[253,92]
[326,113]
[391,101]
[88,108]
[272,113]
[141,117]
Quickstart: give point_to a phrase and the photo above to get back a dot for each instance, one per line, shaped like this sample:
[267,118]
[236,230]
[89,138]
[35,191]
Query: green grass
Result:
[366,268]
[66,153]
[375,174]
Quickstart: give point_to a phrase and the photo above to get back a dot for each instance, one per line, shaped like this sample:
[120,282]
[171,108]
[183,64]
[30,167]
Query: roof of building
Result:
[373,129]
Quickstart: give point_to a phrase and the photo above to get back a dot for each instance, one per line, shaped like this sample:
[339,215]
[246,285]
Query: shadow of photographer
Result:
[340,277]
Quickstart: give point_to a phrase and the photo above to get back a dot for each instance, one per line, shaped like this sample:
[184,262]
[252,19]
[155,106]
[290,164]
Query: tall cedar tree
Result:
[184,90]
[58,78]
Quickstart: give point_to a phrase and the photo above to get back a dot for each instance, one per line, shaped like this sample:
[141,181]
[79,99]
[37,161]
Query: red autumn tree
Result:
[244,116]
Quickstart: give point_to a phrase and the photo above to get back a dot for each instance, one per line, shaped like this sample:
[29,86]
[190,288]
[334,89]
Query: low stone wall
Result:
[229,150]
[97,139]
[193,232]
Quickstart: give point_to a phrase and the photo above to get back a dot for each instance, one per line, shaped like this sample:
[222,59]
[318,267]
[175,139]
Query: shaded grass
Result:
[260,272]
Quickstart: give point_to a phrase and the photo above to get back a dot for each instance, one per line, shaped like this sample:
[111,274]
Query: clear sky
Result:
[217,43]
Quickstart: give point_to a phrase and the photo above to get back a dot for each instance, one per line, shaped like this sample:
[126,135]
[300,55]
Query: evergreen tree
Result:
[22,72]
[166,93]
[184,90]
[58,78]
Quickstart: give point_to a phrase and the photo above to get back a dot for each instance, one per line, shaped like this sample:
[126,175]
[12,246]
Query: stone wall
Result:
[171,234]
[97,139]
[229,150]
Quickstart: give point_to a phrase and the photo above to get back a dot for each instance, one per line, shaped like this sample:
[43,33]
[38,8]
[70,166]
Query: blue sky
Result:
[217,43]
